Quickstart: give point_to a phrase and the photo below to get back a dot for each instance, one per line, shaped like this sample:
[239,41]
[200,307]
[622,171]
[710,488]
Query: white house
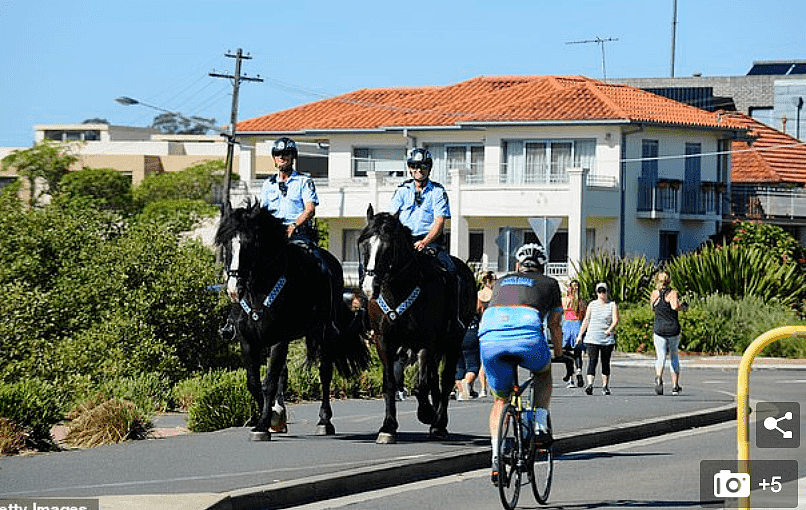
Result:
[601,166]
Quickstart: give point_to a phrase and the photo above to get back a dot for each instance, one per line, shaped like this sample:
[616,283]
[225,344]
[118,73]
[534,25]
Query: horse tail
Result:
[351,355]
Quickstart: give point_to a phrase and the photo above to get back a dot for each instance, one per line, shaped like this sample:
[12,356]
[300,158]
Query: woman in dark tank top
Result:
[666,330]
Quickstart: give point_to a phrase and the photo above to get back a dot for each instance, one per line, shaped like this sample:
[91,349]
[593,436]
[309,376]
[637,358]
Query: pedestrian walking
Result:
[600,322]
[665,304]
[573,313]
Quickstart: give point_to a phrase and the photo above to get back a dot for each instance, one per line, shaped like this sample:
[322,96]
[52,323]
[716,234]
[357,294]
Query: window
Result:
[475,246]
[469,159]
[349,249]
[545,161]
[668,245]
[649,160]
[391,161]
[691,185]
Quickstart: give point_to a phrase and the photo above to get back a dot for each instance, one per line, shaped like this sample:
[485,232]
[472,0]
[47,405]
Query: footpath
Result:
[223,470]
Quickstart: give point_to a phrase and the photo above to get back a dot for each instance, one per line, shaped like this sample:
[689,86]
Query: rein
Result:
[255,313]
[392,313]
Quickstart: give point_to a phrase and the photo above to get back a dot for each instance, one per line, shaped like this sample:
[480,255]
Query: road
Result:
[660,472]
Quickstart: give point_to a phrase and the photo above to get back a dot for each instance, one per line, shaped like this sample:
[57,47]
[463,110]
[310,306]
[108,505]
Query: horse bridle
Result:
[254,312]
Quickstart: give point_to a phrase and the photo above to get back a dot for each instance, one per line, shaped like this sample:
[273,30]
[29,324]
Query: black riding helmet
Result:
[284,146]
[420,158]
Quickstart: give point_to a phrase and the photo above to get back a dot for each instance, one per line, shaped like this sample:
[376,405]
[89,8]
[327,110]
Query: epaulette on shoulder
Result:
[437,185]
[273,178]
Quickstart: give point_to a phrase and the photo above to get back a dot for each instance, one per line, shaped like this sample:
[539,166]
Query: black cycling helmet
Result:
[284,146]
[420,158]
[531,255]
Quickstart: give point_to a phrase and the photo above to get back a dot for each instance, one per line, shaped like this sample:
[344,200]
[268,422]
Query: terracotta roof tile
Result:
[773,157]
[485,100]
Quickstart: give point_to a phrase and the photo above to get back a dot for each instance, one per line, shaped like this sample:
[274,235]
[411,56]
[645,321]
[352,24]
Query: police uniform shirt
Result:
[300,189]
[418,213]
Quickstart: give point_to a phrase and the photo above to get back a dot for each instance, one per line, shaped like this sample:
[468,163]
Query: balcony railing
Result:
[671,196]
[766,202]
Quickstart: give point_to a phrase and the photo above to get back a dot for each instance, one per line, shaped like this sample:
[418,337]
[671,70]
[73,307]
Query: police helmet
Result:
[420,158]
[284,146]
[531,255]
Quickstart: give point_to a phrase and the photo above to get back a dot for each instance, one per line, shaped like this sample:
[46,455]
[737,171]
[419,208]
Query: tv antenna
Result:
[600,42]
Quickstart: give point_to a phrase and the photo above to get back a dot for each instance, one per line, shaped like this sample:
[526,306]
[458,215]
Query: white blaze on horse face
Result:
[369,277]
[232,281]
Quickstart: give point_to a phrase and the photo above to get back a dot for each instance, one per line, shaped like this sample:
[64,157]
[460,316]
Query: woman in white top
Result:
[600,321]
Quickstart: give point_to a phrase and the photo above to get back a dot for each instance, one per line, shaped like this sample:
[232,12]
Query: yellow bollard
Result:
[743,393]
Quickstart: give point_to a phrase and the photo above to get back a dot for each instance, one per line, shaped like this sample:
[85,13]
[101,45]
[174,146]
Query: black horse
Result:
[280,286]
[409,295]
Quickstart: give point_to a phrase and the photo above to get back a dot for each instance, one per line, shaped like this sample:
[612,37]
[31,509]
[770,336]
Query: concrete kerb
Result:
[317,488]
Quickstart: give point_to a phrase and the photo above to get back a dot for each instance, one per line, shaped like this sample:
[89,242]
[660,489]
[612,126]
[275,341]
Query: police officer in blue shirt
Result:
[292,197]
[423,207]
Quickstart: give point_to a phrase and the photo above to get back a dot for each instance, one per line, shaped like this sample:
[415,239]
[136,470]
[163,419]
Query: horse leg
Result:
[439,429]
[388,432]
[252,361]
[325,427]
[425,375]
[279,416]
[277,360]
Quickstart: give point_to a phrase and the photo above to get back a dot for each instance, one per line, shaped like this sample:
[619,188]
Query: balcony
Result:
[667,198]
[762,202]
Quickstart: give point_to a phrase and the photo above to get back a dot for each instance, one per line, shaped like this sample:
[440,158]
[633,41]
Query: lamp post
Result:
[799,105]
[230,136]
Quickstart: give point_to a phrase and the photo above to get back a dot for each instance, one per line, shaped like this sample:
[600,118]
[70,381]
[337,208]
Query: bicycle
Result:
[518,451]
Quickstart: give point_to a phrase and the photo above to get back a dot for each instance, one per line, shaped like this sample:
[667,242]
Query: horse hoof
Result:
[438,434]
[326,430]
[259,435]
[385,438]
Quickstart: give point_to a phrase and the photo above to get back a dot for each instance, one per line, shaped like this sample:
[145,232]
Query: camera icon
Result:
[728,484]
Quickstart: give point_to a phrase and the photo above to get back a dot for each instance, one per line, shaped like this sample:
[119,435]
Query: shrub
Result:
[106,187]
[226,403]
[12,437]
[33,405]
[716,324]
[105,421]
[738,270]
[194,183]
[177,215]
[627,279]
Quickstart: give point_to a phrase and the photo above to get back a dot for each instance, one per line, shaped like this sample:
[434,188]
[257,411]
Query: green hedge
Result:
[715,324]
[33,405]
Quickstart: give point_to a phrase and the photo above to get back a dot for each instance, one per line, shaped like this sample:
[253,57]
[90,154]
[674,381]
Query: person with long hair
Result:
[666,330]
[600,321]
[573,314]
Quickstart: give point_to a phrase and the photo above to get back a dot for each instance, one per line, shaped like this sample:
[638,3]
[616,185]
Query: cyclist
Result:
[511,335]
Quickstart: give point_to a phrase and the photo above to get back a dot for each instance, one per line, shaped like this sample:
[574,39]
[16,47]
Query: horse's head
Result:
[384,246]
[249,236]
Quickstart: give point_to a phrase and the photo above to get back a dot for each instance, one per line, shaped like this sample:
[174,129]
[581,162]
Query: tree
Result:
[47,161]
[174,123]
[95,120]
[107,188]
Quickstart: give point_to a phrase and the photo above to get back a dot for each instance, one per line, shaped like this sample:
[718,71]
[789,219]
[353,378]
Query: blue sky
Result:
[64,62]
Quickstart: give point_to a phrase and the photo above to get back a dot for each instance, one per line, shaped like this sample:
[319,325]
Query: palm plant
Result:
[627,278]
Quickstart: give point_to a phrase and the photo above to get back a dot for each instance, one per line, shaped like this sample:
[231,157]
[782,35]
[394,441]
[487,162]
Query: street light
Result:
[799,105]
[128,101]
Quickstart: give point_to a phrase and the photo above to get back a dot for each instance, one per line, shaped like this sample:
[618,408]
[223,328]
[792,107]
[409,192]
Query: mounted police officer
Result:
[423,207]
[292,197]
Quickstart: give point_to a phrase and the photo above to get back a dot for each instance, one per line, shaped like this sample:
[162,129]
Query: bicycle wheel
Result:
[541,469]
[509,458]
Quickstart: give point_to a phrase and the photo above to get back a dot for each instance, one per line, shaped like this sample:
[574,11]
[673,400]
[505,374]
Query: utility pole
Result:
[674,31]
[236,84]
[600,42]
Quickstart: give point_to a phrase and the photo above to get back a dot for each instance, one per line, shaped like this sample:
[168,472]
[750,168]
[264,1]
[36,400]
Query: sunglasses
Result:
[285,154]
[600,290]
[283,187]
[415,166]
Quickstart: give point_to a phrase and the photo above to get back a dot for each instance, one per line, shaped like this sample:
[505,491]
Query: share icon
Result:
[771,423]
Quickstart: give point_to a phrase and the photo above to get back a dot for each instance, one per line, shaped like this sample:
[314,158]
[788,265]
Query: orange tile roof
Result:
[773,157]
[486,100]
